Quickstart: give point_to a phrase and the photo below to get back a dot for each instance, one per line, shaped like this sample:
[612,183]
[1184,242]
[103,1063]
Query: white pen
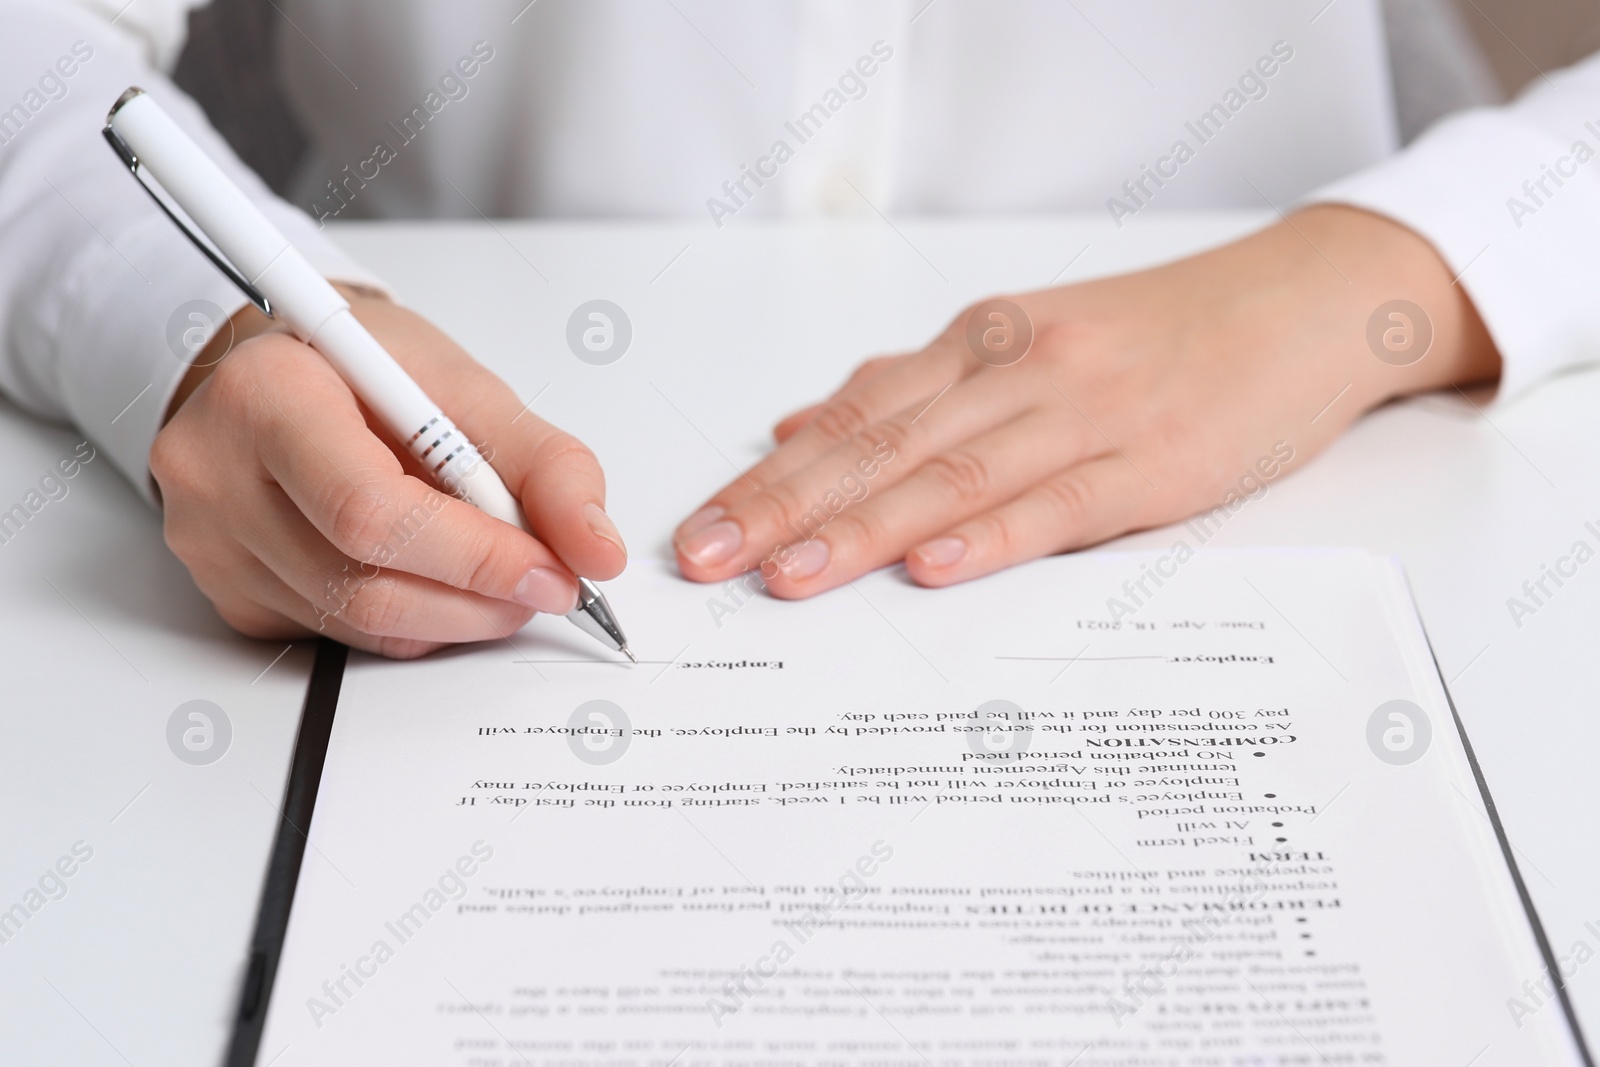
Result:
[282,283]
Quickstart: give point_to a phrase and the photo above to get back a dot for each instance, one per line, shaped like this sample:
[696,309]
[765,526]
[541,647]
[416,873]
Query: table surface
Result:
[138,959]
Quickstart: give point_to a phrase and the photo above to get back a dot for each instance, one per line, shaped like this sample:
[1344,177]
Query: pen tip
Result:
[628,652]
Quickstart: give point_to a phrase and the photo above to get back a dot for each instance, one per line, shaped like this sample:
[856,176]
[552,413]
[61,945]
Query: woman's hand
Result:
[1142,399]
[296,513]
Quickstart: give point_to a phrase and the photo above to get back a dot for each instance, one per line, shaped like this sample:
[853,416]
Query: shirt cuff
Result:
[156,328]
[1527,257]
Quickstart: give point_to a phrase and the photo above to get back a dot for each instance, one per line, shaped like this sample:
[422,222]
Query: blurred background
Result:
[225,67]
[1521,38]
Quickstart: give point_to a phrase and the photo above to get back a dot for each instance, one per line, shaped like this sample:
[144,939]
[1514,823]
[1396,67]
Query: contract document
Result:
[1211,808]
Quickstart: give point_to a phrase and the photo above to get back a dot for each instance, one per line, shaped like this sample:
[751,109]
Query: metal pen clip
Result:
[177,215]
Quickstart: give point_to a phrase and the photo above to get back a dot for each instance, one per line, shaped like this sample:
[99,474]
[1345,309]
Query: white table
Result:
[140,962]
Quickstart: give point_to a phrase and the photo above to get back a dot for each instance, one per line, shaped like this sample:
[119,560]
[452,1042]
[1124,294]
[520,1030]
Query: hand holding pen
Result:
[300,476]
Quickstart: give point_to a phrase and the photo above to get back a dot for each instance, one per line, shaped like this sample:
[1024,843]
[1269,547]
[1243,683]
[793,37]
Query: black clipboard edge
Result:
[1540,937]
[288,850]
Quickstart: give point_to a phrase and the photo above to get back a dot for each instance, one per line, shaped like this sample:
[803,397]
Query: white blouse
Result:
[725,110]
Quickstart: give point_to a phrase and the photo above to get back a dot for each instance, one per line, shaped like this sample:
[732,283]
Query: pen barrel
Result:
[455,463]
[438,444]
[372,372]
[469,475]
[227,217]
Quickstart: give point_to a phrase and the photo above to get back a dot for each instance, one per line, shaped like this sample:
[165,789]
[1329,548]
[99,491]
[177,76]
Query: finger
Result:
[252,603]
[552,474]
[903,382]
[869,369]
[370,599]
[315,444]
[1083,505]
[391,608]
[790,425]
[252,618]
[953,485]
[563,492]
[798,507]
[555,476]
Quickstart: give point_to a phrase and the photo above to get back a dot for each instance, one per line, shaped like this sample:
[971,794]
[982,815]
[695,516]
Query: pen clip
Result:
[125,153]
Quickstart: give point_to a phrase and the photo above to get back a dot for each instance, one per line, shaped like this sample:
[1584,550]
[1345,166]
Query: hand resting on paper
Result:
[1142,399]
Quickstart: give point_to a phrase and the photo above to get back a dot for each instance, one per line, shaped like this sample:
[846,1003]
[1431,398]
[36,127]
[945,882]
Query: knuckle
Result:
[488,569]
[255,622]
[895,433]
[173,462]
[860,528]
[561,448]
[358,524]
[378,607]
[1068,335]
[1087,342]
[1069,499]
[842,418]
[996,535]
[776,505]
[1179,439]
[961,476]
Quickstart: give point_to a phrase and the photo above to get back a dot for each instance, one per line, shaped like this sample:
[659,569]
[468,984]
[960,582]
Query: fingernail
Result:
[701,519]
[713,544]
[941,552]
[805,560]
[543,589]
[602,526]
